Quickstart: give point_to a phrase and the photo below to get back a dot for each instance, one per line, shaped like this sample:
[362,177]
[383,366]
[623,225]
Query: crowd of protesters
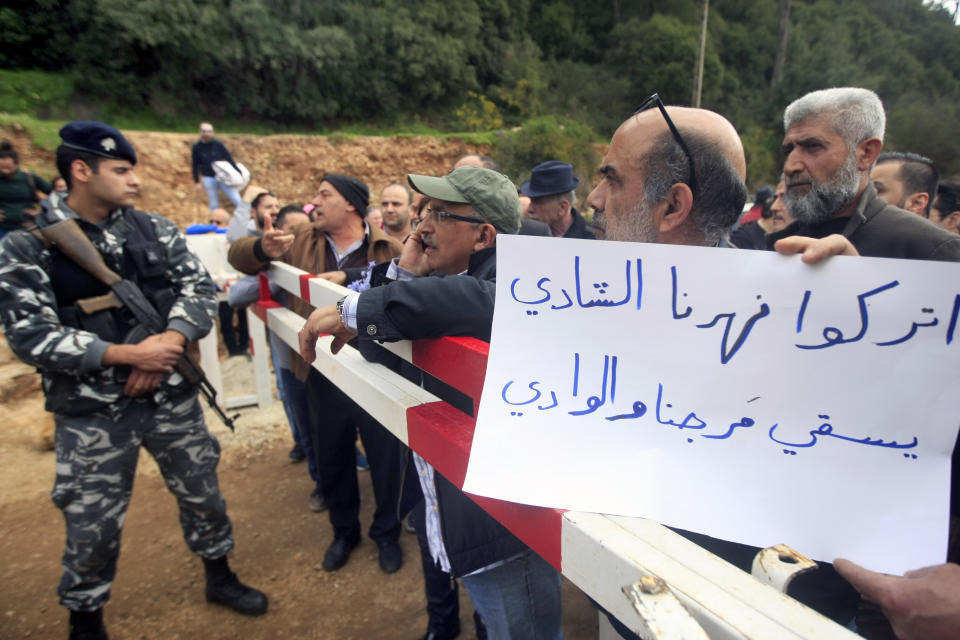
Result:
[420,263]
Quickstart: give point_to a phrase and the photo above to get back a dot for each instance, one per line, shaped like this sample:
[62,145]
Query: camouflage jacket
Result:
[71,359]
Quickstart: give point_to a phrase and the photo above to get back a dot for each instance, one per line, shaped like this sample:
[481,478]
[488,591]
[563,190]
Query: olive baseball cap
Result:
[491,194]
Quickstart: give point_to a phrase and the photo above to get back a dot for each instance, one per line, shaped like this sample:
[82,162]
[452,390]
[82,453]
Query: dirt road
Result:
[158,592]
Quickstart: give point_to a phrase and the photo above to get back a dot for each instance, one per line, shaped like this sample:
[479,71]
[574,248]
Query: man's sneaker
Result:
[362,464]
[232,593]
[317,503]
[391,557]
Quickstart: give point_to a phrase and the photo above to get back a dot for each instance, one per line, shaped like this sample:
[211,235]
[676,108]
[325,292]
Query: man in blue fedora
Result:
[552,198]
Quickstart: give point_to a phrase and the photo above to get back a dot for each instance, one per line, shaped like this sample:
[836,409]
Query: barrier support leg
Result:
[210,360]
[261,358]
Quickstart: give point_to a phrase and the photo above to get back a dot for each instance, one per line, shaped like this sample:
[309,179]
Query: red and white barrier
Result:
[615,560]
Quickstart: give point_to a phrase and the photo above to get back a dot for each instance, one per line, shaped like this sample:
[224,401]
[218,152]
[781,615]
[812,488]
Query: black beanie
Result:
[353,191]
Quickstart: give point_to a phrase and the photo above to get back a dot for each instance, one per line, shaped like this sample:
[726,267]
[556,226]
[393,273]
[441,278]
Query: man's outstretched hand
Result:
[274,242]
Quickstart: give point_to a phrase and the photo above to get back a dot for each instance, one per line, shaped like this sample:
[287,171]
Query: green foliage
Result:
[914,125]
[547,138]
[560,33]
[479,114]
[266,65]
[764,161]
[34,91]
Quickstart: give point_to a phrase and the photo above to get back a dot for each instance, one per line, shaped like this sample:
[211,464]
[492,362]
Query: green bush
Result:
[479,114]
[548,138]
[38,92]
[764,161]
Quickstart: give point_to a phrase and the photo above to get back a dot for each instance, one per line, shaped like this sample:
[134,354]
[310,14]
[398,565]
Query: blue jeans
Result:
[211,184]
[291,418]
[519,600]
[295,400]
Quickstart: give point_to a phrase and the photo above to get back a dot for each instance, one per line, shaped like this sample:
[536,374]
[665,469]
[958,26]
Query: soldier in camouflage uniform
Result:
[109,397]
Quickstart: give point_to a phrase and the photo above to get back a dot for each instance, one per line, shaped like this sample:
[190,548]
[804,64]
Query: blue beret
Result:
[99,139]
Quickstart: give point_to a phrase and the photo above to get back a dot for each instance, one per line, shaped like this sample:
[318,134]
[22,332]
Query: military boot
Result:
[225,589]
[87,625]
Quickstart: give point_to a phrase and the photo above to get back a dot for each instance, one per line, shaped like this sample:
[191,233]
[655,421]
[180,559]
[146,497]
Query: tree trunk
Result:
[701,54]
[781,59]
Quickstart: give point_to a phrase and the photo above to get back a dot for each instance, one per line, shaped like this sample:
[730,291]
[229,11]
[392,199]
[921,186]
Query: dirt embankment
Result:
[289,165]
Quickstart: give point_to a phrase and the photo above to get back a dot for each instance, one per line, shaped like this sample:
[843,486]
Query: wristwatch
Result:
[340,302]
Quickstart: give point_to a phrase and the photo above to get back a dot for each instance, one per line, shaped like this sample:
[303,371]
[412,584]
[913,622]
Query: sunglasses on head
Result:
[655,101]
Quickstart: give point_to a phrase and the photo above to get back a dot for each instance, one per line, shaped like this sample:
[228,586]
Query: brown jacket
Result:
[308,252]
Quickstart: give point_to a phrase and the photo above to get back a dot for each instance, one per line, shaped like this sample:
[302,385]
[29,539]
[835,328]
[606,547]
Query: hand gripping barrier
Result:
[654,581]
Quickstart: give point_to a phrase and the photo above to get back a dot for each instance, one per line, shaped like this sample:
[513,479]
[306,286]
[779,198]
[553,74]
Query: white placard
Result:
[740,394]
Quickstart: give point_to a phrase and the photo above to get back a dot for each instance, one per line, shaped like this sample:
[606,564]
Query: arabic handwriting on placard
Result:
[563,306]
[692,421]
[673,280]
[546,296]
[601,288]
[553,396]
[912,332]
[725,353]
[595,402]
[540,283]
[688,421]
[951,327]
[743,422]
[576,373]
[531,386]
[833,335]
[827,430]
[639,409]
[803,310]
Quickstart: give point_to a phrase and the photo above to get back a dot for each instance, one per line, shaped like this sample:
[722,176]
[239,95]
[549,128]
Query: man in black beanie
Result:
[339,244]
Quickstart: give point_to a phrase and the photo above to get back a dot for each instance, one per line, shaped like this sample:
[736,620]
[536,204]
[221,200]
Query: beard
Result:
[635,226]
[824,199]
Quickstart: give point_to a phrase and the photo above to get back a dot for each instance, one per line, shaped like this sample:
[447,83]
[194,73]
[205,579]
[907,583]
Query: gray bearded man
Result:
[109,392]
[833,137]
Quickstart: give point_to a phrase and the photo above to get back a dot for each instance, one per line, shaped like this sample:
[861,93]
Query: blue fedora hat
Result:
[550,178]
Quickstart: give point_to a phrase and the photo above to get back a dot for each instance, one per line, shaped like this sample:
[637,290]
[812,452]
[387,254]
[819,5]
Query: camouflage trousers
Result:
[96,463]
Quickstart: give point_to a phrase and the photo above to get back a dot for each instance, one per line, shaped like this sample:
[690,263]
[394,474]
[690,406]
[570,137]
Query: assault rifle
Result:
[71,241]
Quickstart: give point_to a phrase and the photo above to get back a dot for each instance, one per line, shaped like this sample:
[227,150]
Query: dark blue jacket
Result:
[434,307]
[204,154]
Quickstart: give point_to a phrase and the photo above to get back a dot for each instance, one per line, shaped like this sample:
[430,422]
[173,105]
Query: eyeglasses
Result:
[655,100]
[440,214]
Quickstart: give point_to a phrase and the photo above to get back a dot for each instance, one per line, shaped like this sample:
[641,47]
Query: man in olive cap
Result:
[110,395]
[515,591]
[552,197]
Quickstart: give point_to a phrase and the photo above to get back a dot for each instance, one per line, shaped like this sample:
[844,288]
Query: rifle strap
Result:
[32,183]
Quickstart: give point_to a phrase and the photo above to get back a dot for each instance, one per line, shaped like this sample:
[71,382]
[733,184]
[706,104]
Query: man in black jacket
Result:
[515,591]
[204,153]
[833,137]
